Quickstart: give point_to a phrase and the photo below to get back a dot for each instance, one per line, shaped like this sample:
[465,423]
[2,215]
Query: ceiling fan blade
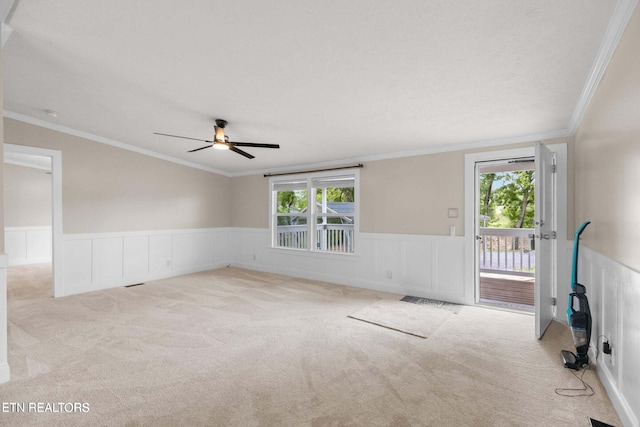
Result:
[201,148]
[183,137]
[253,144]
[239,151]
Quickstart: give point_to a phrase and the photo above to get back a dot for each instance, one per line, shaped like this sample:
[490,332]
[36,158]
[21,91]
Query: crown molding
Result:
[107,141]
[429,150]
[621,15]
[444,148]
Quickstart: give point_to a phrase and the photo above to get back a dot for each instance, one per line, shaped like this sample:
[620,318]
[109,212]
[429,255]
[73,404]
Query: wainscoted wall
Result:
[425,266]
[27,245]
[4,365]
[418,265]
[108,260]
[614,298]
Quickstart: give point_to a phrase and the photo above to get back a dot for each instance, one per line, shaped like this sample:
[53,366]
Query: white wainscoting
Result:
[27,245]
[107,260]
[614,299]
[4,365]
[423,266]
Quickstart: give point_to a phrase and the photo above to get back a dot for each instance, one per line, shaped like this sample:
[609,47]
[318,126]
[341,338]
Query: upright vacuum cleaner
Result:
[578,314]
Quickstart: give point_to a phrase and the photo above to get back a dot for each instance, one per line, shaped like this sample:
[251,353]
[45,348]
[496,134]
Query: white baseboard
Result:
[417,265]
[106,260]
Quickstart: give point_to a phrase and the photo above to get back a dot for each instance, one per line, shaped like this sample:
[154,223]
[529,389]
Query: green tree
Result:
[291,202]
[345,194]
[487,204]
[516,196]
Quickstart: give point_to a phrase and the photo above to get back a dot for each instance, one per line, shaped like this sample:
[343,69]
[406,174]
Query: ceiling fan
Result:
[221,141]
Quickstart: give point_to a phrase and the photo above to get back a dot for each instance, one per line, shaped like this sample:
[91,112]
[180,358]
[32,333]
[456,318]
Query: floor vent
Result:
[136,284]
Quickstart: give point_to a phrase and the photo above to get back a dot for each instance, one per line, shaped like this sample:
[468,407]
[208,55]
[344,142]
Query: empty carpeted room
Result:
[245,213]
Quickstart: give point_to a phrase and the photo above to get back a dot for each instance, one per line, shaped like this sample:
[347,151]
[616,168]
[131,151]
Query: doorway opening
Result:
[506,252]
[28,225]
[551,248]
[46,160]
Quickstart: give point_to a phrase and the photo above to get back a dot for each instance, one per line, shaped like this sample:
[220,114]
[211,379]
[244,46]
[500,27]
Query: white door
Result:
[544,238]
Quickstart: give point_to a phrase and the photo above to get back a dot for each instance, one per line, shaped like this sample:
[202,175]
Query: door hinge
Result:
[553,168]
[553,302]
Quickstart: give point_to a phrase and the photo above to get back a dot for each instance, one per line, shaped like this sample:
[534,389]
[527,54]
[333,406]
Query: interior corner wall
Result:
[607,168]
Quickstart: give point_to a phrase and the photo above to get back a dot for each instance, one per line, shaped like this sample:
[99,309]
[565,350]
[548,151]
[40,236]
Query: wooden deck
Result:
[507,289]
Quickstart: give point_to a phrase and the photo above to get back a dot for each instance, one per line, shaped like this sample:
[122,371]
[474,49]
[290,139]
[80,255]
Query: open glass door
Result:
[544,238]
[505,261]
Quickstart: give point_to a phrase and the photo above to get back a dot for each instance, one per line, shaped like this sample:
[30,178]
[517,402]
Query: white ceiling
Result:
[330,81]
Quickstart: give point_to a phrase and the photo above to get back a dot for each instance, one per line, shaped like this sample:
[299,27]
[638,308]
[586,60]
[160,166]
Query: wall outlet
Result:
[389,274]
[168,263]
[254,257]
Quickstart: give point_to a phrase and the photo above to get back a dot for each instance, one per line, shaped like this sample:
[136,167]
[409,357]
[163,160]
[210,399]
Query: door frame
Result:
[561,279]
[57,263]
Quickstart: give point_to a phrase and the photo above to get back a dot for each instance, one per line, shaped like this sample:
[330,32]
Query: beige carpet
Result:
[412,319]
[238,348]
[29,282]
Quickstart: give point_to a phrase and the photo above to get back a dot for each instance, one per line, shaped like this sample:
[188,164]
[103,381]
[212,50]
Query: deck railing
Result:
[329,237]
[292,236]
[507,251]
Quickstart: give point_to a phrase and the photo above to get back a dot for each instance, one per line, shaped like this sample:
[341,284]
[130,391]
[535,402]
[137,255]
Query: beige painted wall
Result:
[410,195]
[27,197]
[250,201]
[607,151]
[107,189]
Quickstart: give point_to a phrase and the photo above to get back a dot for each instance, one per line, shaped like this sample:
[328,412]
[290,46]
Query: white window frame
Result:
[312,211]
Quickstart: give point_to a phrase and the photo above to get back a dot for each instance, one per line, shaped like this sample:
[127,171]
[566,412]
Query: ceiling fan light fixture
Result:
[220,139]
[220,145]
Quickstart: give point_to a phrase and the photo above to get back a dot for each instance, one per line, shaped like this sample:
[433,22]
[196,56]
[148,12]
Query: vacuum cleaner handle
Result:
[576,246]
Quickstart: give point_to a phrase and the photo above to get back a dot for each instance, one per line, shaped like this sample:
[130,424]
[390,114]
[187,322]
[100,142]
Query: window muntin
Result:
[328,225]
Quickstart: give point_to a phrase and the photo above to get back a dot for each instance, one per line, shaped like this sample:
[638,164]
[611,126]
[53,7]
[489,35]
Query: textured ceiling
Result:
[327,80]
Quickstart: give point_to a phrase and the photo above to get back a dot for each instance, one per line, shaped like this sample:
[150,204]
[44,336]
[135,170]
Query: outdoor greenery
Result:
[345,194]
[295,201]
[292,201]
[507,199]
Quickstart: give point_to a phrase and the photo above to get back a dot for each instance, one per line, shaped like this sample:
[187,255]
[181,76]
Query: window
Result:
[317,212]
